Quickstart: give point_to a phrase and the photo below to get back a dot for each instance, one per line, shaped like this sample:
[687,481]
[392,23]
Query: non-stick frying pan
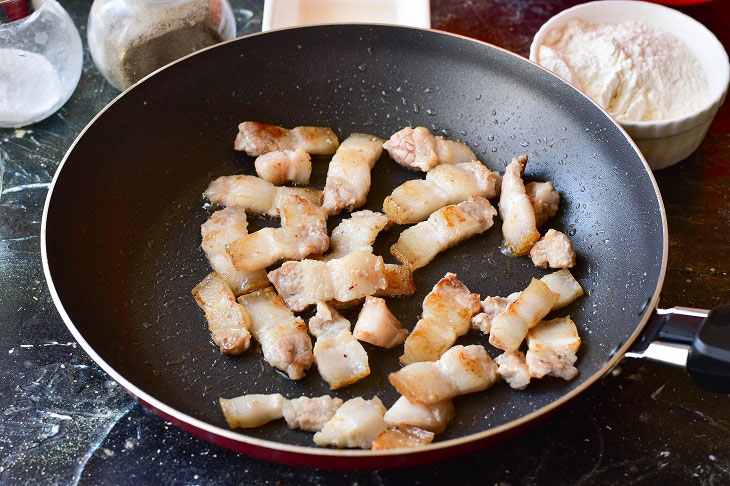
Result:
[121,241]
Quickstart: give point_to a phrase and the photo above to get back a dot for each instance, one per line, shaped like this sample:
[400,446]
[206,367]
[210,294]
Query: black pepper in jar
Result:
[129,39]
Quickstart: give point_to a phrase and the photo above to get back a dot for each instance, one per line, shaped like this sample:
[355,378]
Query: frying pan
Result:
[121,241]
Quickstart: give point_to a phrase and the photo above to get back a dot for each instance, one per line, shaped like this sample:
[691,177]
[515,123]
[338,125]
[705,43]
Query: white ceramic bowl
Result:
[663,142]
[290,13]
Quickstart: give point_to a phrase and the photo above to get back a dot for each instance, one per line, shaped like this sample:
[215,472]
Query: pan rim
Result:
[162,407]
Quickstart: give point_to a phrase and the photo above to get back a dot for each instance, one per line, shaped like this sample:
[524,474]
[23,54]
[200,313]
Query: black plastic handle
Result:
[693,338]
[709,356]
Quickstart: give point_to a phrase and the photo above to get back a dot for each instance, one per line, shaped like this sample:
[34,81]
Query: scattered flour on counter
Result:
[632,70]
[29,86]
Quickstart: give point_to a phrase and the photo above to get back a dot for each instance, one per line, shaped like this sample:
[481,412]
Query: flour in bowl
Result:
[632,70]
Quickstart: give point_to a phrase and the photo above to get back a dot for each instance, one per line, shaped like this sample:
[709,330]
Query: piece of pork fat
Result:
[399,280]
[255,195]
[552,347]
[284,166]
[510,327]
[565,285]
[417,149]
[310,414]
[345,279]
[348,175]
[447,313]
[491,306]
[445,228]
[355,424]
[545,200]
[251,410]
[415,200]
[554,250]
[221,229]
[341,359]
[561,282]
[434,417]
[356,233]
[460,370]
[377,325]
[513,369]
[519,227]
[283,336]
[402,436]
[303,232]
[259,138]
[228,321]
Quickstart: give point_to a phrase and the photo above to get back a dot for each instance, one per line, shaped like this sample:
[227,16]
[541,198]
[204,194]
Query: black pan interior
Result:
[123,222]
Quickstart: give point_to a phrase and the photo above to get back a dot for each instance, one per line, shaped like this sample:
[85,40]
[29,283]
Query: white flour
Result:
[632,70]
[29,86]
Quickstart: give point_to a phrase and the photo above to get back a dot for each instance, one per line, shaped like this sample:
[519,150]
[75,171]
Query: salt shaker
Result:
[129,39]
[40,60]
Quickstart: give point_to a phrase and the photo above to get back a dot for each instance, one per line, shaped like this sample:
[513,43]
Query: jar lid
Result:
[12,10]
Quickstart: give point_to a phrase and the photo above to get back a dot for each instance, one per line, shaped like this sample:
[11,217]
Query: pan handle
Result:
[695,339]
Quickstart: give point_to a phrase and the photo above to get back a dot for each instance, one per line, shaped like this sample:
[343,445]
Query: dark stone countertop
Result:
[63,421]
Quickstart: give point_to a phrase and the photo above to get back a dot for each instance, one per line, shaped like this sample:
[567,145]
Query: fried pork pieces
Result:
[341,359]
[303,232]
[259,138]
[283,336]
[228,321]
[415,200]
[348,175]
[307,282]
[447,313]
[450,205]
[309,414]
[418,149]
[285,166]
[519,226]
[223,228]
[446,227]
[255,195]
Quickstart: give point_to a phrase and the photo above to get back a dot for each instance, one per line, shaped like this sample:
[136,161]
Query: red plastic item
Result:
[16,9]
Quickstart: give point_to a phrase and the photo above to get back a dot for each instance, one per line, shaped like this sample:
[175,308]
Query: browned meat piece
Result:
[259,138]
[554,250]
[228,321]
[545,200]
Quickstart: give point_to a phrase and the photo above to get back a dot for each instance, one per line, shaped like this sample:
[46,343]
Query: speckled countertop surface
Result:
[63,421]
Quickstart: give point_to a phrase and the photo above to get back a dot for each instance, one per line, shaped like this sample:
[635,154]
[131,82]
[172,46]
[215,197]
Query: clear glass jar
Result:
[129,39]
[40,60]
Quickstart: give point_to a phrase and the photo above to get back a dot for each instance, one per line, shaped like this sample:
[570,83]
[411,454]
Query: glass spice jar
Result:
[129,39]
[40,60]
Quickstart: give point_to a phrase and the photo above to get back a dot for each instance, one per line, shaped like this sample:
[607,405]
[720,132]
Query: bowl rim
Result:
[672,126]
